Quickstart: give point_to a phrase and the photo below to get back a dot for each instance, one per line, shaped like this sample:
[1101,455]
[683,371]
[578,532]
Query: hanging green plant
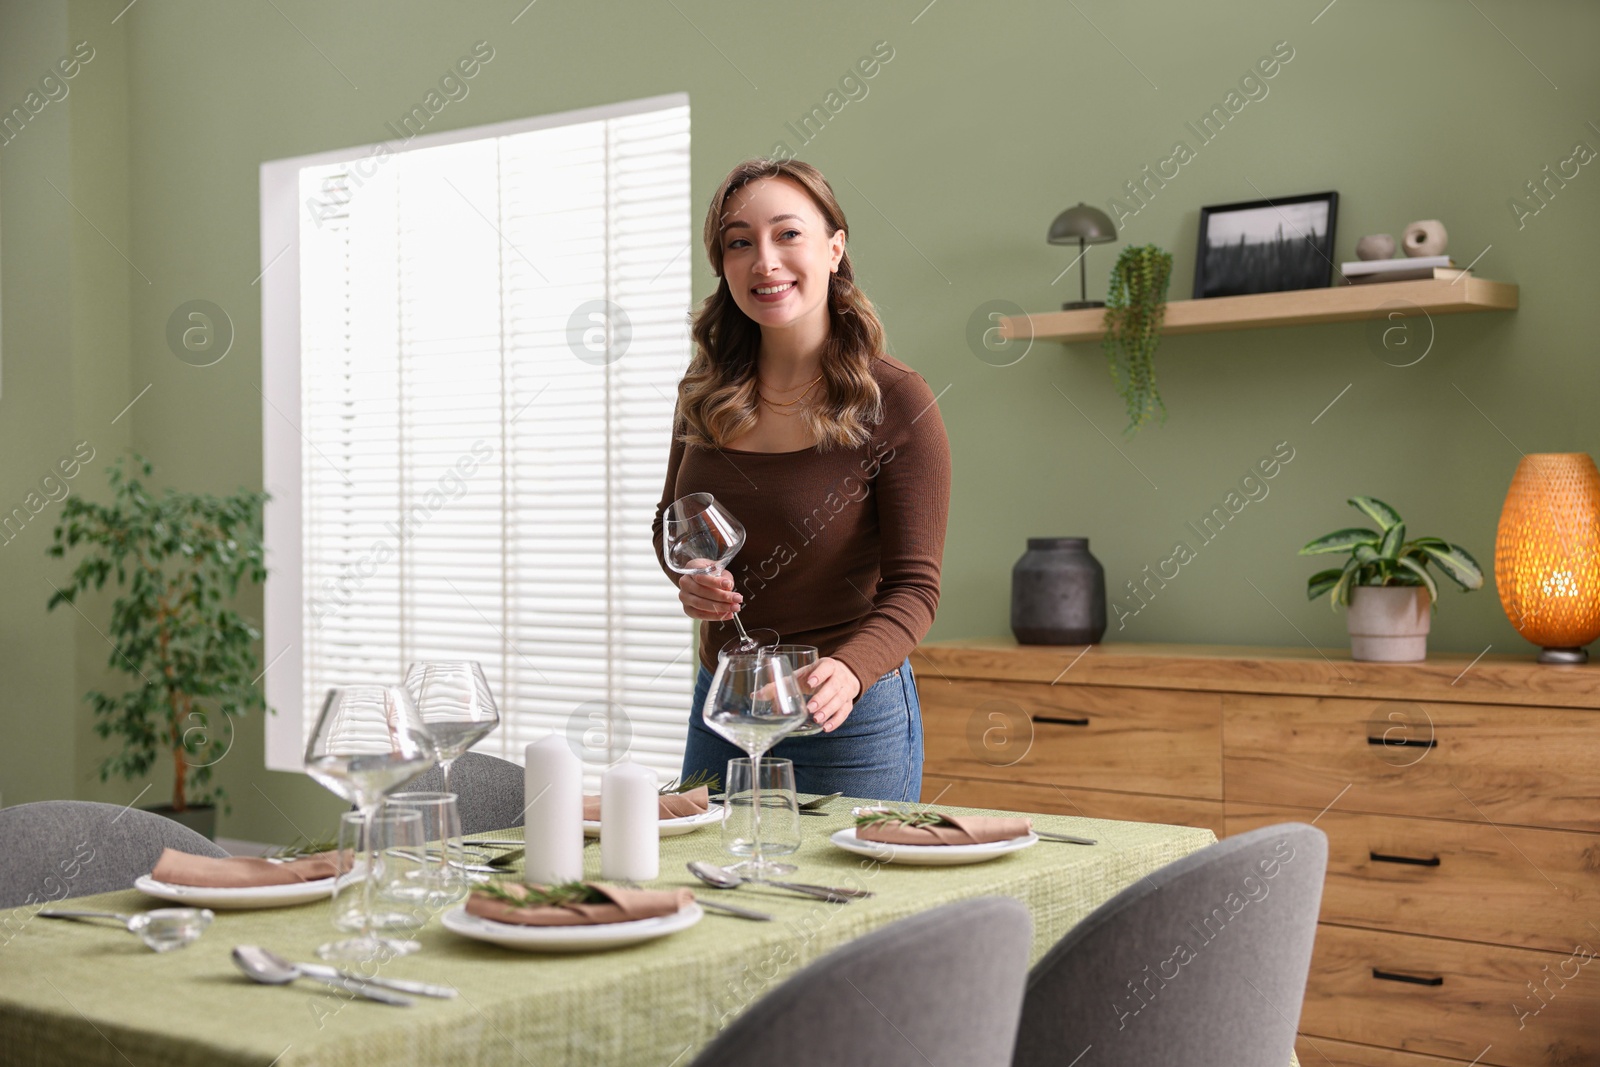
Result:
[1135,307]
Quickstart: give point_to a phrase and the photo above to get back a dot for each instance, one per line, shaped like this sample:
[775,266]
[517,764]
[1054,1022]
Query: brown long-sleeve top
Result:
[843,547]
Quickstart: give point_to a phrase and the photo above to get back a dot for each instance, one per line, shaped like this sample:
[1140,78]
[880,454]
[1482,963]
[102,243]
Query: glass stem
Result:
[744,637]
[756,859]
[444,769]
[368,884]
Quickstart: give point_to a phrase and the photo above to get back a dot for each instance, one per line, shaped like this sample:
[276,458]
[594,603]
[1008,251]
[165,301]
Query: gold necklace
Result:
[780,408]
[790,403]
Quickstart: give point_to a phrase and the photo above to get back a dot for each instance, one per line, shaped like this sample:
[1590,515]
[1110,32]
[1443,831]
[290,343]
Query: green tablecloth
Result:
[77,995]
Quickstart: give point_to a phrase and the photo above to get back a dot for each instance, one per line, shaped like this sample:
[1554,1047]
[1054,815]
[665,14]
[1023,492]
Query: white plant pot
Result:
[1388,623]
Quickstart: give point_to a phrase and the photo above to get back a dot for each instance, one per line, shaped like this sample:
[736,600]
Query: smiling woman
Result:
[788,394]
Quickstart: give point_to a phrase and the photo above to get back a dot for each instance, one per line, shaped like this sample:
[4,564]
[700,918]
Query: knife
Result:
[399,985]
[743,913]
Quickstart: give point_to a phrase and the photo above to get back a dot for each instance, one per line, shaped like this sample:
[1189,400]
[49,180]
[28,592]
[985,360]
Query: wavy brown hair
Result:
[717,398]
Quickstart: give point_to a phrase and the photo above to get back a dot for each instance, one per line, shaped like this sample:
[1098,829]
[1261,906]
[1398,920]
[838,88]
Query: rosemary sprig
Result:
[694,781]
[882,816]
[521,895]
[301,847]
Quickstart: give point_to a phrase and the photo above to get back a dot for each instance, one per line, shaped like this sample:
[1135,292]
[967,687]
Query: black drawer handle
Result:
[1414,979]
[1404,742]
[1059,721]
[1379,857]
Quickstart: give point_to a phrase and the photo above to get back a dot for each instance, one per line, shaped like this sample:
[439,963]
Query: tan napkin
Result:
[669,806]
[239,872]
[954,830]
[624,905]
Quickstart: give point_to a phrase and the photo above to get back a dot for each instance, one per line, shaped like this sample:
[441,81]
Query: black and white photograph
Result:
[1266,246]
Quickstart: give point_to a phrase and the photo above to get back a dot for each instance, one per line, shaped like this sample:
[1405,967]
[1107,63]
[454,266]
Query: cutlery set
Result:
[269,968]
[807,807]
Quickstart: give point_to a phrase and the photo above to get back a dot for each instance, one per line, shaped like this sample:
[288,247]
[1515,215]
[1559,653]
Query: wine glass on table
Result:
[369,740]
[456,706]
[754,701]
[699,536]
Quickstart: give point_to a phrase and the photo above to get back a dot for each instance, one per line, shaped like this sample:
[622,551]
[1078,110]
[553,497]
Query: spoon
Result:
[722,878]
[269,969]
[163,929]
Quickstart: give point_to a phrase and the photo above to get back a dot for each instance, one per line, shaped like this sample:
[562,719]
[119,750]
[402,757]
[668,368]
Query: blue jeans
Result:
[875,754]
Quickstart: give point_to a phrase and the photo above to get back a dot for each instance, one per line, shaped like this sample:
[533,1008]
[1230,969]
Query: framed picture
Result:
[1266,246]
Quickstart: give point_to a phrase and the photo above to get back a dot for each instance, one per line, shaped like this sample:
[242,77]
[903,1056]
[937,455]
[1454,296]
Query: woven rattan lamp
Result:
[1547,554]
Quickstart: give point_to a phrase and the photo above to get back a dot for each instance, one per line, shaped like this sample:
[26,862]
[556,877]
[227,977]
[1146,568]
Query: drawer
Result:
[1322,1052]
[1472,762]
[1513,1007]
[1089,803]
[1506,886]
[1093,737]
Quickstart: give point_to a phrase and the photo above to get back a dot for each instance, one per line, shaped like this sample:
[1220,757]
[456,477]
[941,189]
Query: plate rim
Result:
[576,934]
[1000,847]
[317,883]
[680,820]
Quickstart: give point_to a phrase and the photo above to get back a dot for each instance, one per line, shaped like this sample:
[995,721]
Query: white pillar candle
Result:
[553,819]
[630,842]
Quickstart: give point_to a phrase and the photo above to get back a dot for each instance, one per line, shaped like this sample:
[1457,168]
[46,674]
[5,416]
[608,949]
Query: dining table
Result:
[80,995]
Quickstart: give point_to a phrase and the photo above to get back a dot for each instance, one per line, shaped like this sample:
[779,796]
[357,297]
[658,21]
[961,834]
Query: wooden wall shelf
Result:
[1342,303]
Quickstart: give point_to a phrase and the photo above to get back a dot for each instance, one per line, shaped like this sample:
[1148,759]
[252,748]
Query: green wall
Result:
[986,122]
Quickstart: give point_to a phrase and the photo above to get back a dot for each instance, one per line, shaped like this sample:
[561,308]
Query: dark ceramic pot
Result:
[202,819]
[1058,593]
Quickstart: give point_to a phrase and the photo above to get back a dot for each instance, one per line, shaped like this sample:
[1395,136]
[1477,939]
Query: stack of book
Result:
[1409,268]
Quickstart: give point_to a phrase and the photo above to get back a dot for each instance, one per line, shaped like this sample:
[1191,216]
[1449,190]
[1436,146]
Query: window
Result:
[471,346]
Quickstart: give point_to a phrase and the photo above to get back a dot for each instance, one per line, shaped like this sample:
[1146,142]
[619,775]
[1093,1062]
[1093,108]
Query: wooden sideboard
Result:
[1461,798]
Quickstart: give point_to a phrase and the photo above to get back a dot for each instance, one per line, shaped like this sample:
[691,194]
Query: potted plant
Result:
[1136,305]
[1386,583]
[178,560]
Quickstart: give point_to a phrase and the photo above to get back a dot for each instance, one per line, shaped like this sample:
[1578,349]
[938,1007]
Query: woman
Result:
[833,456]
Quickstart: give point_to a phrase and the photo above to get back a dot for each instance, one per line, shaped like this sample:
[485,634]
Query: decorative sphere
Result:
[1425,238]
[1375,246]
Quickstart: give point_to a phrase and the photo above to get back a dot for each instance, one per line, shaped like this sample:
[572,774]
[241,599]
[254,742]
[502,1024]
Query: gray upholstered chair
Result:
[56,849]
[941,987]
[1202,963]
[488,790]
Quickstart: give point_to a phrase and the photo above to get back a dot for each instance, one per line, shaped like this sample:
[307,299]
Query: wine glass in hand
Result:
[754,701]
[698,536]
[456,706]
[369,740]
[801,659]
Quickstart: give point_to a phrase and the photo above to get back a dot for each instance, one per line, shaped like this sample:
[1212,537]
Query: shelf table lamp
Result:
[1547,554]
[1087,226]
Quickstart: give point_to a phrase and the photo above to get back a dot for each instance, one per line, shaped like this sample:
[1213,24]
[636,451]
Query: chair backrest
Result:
[55,849]
[488,791]
[944,986]
[1202,963]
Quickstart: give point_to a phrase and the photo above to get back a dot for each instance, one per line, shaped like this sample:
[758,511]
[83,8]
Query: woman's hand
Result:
[709,597]
[836,688]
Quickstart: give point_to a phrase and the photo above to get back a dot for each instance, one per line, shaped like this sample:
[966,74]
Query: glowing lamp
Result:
[1547,554]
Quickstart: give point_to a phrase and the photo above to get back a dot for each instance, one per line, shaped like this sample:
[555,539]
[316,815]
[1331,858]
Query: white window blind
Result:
[491,333]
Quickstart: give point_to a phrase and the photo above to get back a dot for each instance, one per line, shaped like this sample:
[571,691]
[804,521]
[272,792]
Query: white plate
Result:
[931,855]
[568,938]
[263,896]
[687,824]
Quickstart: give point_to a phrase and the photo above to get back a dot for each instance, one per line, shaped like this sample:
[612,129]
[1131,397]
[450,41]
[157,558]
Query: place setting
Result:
[754,701]
[923,837]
